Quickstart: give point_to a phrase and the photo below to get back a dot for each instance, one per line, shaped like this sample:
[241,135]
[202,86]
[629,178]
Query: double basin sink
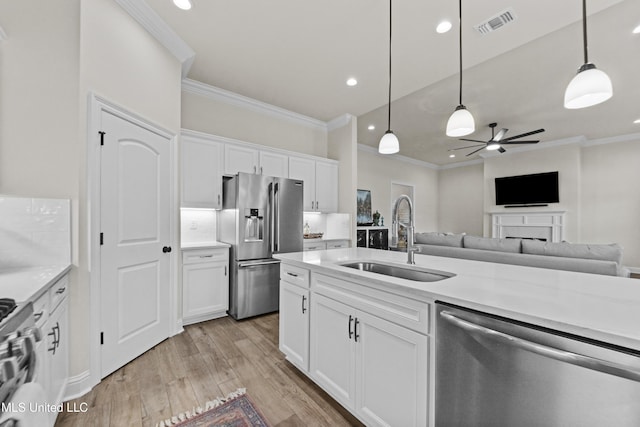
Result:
[409,272]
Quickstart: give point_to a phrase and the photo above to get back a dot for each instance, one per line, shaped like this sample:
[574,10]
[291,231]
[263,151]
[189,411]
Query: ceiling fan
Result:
[497,140]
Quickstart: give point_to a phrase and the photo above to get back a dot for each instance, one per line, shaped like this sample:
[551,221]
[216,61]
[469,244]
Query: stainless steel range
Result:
[18,338]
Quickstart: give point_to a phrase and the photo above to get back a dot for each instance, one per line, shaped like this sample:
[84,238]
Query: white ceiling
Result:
[297,55]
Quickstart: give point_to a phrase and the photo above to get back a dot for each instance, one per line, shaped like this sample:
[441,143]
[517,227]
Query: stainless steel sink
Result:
[417,274]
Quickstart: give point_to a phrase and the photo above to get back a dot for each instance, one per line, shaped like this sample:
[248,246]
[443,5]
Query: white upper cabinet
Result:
[240,159]
[320,183]
[201,166]
[274,164]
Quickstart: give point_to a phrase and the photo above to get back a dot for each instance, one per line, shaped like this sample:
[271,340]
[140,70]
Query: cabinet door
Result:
[201,170]
[205,291]
[305,169]
[274,164]
[326,187]
[240,159]
[332,357]
[58,352]
[294,324]
[391,373]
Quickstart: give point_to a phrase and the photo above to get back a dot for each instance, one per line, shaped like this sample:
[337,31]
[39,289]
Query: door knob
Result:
[166,249]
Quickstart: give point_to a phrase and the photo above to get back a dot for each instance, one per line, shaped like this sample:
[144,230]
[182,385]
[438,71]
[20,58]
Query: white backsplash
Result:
[197,225]
[34,232]
[334,225]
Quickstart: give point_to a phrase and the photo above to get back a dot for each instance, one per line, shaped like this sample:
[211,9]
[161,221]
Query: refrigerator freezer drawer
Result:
[254,288]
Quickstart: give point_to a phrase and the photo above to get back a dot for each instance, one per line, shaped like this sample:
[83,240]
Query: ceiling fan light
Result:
[461,122]
[493,146]
[589,87]
[183,4]
[389,143]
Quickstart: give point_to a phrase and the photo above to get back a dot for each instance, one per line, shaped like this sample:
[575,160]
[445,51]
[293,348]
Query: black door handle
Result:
[350,332]
[166,249]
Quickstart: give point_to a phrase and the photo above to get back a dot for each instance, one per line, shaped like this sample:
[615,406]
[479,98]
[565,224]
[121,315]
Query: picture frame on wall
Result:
[363,215]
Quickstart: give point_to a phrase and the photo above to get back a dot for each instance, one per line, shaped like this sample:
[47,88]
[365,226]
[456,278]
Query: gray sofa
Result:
[585,258]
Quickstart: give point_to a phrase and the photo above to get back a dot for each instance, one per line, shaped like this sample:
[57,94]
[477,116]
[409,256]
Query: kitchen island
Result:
[341,326]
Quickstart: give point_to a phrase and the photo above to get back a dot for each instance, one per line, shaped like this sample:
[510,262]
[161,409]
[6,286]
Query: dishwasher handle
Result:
[257,264]
[545,351]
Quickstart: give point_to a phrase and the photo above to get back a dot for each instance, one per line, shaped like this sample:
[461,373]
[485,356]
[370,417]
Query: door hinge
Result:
[101,137]
[101,338]
[102,238]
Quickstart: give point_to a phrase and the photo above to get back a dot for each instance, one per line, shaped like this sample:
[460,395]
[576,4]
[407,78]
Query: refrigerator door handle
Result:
[276,217]
[600,365]
[271,218]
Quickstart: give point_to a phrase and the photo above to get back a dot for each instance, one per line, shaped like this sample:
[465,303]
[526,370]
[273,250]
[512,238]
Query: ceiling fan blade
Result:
[500,134]
[462,148]
[501,150]
[472,140]
[520,142]
[533,132]
[474,152]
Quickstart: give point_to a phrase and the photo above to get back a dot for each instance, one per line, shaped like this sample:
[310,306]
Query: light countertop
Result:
[604,308]
[25,284]
[203,245]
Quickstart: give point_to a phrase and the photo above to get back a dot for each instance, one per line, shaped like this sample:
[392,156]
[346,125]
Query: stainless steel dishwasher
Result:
[493,371]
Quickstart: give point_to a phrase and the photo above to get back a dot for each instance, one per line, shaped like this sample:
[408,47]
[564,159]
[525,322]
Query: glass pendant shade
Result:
[589,87]
[461,122]
[389,143]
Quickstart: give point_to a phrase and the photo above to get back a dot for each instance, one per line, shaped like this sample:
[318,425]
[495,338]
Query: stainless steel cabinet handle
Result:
[355,329]
[350,331]
[218,199]
[206,256]
[545,351]
[317,205]
[260,170]
[304,298]
[38,315]
[255,169]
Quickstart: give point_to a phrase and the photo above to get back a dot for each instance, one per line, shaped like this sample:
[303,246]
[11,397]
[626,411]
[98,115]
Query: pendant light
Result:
[389,142]
[590,86]
[461,122]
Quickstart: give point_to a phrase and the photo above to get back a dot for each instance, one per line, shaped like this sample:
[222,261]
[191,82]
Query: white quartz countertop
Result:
[28,283]
[203,245]
[605,308]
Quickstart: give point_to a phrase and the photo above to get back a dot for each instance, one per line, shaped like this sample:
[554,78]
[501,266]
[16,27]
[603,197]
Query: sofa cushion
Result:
[490,244]
[439,239]
[612,252]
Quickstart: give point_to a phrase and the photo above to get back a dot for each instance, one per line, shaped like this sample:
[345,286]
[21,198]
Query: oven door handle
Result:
[576,359]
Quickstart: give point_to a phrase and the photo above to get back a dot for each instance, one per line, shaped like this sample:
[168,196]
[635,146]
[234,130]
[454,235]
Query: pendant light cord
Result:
[389,103]
[584,29]
[460,50]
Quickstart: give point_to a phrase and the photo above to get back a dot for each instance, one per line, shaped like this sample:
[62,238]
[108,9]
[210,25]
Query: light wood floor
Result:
[208,360]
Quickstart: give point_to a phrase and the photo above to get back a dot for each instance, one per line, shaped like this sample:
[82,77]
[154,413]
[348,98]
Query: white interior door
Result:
[135,233]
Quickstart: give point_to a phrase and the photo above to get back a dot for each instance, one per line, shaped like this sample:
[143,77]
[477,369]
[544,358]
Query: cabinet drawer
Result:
[41,310]
[295,275]
[205,255]
[314,246]
[58,292]
[338,244]
[403,311]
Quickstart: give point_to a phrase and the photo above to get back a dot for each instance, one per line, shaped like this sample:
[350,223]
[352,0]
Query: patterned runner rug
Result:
[235,410]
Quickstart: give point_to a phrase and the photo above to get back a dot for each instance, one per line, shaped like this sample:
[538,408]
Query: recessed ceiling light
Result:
[183,4]
[451,156]
[636,121]
[636,30]
[352,82]
[371,127]
[443,27]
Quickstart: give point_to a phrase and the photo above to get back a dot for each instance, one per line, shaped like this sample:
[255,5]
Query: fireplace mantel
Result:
[542,225]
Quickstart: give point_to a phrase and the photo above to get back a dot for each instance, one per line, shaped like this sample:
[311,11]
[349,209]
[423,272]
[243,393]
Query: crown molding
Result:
[461,164]
[399,157]
[232,98]
[158,28]
[631,137]
[3,35]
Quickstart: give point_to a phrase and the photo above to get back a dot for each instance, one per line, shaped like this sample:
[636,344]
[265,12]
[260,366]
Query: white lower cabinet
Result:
[364,346]
[205,284]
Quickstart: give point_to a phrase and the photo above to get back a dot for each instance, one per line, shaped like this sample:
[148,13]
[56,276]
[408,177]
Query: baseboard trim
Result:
[78,386]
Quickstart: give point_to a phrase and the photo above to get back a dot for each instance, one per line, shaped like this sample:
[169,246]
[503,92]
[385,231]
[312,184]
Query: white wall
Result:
[461,199]
[210,115]
[376,172]
[610,198]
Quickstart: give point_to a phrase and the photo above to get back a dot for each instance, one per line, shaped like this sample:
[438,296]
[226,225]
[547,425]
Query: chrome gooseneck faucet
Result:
[410,228]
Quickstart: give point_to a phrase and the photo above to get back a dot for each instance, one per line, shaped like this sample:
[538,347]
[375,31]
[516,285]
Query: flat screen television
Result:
[539,188]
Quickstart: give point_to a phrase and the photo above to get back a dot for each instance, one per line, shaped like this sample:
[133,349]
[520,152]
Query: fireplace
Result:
[544,226]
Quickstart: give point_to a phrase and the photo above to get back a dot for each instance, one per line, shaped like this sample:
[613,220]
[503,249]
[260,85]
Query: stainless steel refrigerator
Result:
[261,215]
